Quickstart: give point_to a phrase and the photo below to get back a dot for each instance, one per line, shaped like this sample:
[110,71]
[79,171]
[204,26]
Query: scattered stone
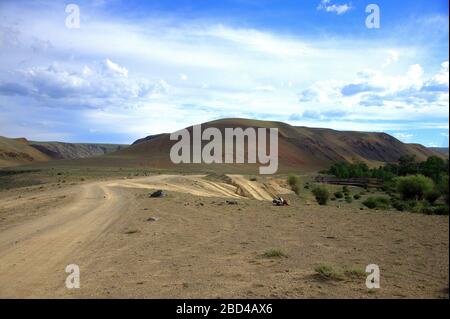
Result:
[158,193]
[232,202]
[152,219]
[133,231]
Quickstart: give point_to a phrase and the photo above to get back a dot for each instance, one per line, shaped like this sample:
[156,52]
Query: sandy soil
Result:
[197,245]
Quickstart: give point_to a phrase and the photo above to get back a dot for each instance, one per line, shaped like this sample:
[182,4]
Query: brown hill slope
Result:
[18,151]
[442,150]
[300,148]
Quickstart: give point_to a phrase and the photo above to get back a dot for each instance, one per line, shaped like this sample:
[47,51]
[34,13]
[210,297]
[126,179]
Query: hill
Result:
[20,151]
[300,149]
[60,150]
[442,150]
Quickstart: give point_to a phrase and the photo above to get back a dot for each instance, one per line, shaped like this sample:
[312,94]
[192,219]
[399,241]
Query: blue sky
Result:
[135,68]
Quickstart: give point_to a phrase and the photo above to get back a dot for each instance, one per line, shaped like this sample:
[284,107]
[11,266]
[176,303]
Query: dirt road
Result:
[33,254]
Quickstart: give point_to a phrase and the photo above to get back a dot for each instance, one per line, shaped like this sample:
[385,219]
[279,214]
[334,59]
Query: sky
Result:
[135,68]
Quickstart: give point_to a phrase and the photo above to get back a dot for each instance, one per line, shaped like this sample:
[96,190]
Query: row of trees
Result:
[410,185]
[434,167]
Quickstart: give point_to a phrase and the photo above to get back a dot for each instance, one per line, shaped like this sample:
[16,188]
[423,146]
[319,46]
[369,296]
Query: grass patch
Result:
[355,273]
[330,273]
[327,272]
[275,253]
[377,202]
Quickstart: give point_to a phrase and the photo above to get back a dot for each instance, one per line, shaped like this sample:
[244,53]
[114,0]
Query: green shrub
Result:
[377,202]
[432,196]
[348,199]
[400,205]
[322,195]
[295,189]
[345,189]
[338,195]
[422,208]
[356,196]
[414,187]
[294,182]
[443,188]
[441,210]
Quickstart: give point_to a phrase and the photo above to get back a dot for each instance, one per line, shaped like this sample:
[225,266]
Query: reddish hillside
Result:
[300,148]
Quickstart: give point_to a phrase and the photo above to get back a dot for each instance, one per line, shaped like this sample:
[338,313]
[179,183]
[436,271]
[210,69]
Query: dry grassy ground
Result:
[201,246]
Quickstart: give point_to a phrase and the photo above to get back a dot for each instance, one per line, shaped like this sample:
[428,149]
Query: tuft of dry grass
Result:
[327,272]
[275,253]
[355,273]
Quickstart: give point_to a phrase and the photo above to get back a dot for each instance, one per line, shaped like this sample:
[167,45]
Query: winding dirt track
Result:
[33,253]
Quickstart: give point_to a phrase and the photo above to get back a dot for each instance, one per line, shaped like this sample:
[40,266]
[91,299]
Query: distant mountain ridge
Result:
[19,151]
[443,150]
[61,150]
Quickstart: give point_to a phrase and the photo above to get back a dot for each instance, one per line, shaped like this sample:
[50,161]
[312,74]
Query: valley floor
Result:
[197,245]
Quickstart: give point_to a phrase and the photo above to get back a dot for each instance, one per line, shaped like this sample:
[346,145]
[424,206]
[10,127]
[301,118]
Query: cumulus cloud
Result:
[105,79]
[328,6]
[373,88]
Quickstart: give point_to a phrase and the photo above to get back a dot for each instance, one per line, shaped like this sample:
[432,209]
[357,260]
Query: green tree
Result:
[414,187]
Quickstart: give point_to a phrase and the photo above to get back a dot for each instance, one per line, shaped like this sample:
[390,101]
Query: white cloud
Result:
[105,80]
[405,137]
[114,69]
[392,58]
[373,88]
[326,5]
